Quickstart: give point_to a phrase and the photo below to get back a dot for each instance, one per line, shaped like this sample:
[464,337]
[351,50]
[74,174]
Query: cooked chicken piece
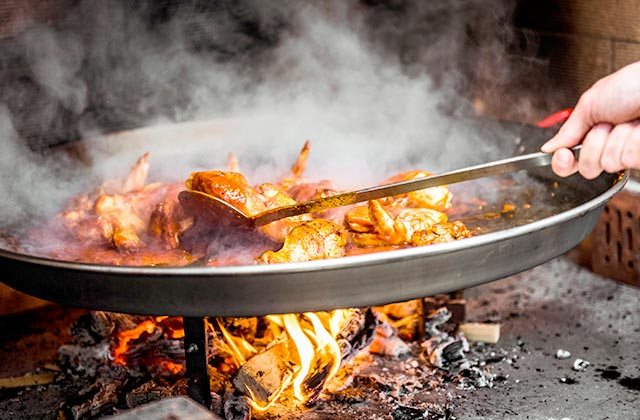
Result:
[232,163]
[436,198]
[230,187]
[313,240]
[120,224]
[117,218]
[137,175]
[358,219]
[297,170]
[414,220]
[274,197]
[305,191]
[168,220]
[383,229]
[439,233]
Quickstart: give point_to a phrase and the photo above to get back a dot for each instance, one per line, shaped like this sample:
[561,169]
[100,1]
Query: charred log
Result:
[95,326]
[95,400]
[357,333]
[154,391]
[387,341]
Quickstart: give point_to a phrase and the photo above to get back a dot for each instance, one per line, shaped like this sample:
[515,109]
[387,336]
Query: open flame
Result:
[314,353]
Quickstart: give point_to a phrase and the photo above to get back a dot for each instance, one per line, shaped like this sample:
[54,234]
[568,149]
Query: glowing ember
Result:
[124,337]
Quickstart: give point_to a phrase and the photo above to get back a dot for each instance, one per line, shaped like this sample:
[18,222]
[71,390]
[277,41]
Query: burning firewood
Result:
[263,376]
[267,374]
[98,325]
[387,341]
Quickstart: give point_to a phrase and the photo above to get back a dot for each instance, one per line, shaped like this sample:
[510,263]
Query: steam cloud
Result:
[374,84]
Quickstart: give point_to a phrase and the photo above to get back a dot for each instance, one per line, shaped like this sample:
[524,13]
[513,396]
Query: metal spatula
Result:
[226,213]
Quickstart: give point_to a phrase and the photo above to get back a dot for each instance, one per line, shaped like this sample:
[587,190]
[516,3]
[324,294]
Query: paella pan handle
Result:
[514,164]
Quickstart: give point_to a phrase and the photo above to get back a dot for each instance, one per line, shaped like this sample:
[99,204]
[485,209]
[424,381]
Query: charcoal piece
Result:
[105,397]
[86,361]
[175,408]
[474,377]
[386,341]
[458,309]
[350,396]
[402,412]
[82,332]
[152,391]
[434,320]
[314,384]
[444,351]
[95,326]
[568,380]
[236,407]
[453,302]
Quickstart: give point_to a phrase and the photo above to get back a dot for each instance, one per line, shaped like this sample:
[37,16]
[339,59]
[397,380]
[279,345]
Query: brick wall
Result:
[582,40]
[18,15]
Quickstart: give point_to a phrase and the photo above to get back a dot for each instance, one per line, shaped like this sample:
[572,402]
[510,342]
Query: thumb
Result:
[574,129]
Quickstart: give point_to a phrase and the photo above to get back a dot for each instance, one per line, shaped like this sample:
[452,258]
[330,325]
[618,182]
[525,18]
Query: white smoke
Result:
[367,84]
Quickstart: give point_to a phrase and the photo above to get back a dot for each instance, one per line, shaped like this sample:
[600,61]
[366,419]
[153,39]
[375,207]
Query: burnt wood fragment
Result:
[153,391]
[236,407]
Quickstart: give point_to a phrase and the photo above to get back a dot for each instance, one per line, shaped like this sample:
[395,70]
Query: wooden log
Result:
[357,333]
[93,327]
[263,375]
[483,332]
[30,379]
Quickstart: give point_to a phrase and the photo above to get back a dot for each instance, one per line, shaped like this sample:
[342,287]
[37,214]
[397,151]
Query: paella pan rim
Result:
[329,264]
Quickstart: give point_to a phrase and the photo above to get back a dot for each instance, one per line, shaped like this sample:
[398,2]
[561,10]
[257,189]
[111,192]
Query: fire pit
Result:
[558,305]
[553,216]
[247,333]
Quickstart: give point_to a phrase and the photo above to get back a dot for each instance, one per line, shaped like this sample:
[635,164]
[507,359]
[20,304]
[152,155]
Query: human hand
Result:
[606,121]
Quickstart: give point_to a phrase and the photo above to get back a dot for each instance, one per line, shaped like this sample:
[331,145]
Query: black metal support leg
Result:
[195,348]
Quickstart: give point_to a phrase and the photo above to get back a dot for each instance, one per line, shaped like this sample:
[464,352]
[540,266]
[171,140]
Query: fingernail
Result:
[546,148]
